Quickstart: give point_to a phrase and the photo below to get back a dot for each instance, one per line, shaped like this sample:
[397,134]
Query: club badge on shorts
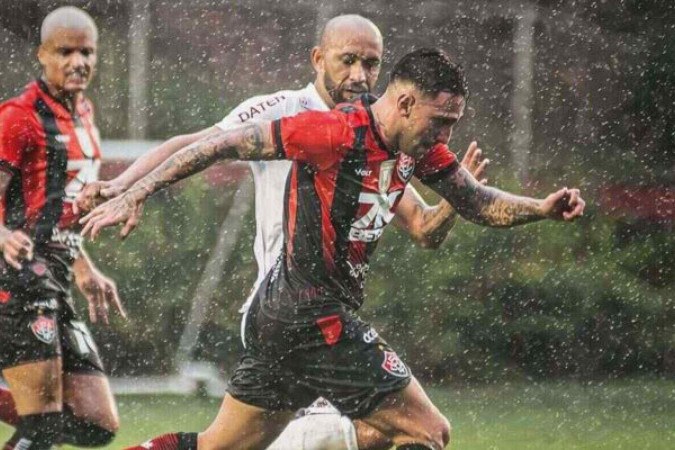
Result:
[44,328]
[393,364]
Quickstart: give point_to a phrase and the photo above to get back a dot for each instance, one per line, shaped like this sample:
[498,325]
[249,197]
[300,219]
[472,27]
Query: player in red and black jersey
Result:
[49,148]
[304,337]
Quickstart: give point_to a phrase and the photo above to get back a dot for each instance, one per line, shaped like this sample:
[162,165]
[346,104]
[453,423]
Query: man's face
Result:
[349,66]
[68,59]
[430,121]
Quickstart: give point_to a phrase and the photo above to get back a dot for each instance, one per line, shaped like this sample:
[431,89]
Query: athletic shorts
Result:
[37,320]
[287,365]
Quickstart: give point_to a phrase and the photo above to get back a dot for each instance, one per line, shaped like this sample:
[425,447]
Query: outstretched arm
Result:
[430,225]
[95,193]
[495,208]
[249,142]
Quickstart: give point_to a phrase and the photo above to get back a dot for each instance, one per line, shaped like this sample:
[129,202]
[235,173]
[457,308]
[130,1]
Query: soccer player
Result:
[347,64]
[49,147]
[350,168]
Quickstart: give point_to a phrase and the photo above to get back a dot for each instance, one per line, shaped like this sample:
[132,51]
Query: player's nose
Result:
[357,73]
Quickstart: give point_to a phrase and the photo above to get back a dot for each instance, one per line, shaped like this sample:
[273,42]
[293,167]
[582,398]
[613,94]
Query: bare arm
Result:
[495,208]
[14,244]
[430,225]
[95,193]
[252,141]
[99,290]
[150,160]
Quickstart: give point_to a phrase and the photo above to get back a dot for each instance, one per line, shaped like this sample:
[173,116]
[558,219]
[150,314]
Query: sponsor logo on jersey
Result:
[393,365]
[386,171]
[370,336]
[331,328]
[405,167]
[363,172]
[259,108]
[44,328]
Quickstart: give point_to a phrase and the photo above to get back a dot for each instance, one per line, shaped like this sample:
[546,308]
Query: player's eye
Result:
[372,64]
[349,59]
[86,52]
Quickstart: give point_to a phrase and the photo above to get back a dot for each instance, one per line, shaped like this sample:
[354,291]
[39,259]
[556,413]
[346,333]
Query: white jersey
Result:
[269,177]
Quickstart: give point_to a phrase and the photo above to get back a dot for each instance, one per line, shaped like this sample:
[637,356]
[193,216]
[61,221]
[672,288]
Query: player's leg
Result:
[90,416]
[89,412]
[37,391]
[410,419]
[237,426]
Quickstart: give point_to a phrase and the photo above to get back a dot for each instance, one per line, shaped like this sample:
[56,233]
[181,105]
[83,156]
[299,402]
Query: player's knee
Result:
[84,433]
[435,432]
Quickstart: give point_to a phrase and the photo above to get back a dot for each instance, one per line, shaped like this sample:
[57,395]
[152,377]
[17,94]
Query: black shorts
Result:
[287,365]
[37,321]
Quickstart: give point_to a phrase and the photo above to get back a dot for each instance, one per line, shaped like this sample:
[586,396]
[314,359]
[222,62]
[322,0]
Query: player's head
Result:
[67,51]
[428,93]
[347,59]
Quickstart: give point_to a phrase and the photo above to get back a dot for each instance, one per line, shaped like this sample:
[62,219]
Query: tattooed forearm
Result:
[437,222]
[245,142]
[487,205]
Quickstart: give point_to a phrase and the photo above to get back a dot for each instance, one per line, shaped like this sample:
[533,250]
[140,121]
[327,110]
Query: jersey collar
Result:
[313,99]
[366,101]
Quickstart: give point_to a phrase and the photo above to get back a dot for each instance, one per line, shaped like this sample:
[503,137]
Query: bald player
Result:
[347,64]
[49,147]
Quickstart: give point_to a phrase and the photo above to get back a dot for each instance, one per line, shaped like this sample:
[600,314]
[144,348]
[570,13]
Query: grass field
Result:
[635,414]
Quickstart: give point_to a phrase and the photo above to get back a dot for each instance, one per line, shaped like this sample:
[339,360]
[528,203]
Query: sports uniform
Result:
[270,177]
[303,336]
[50,154]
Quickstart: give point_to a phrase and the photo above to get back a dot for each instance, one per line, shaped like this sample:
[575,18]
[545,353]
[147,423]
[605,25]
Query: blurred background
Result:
[564,93]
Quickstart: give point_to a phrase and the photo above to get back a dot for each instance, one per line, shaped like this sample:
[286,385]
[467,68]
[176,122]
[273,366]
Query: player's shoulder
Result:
[21,104]
[269,106]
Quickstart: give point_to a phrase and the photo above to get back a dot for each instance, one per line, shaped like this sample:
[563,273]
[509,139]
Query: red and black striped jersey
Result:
[50,154]
[342,191]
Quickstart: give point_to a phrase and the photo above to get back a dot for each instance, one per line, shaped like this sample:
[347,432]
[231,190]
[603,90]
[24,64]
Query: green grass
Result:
[635,414]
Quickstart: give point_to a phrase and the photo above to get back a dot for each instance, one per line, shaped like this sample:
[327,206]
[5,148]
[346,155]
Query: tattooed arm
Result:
[249,142]
[495,208]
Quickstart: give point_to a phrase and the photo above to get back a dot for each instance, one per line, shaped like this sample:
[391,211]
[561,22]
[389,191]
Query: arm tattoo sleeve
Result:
[250,141]
[486,205]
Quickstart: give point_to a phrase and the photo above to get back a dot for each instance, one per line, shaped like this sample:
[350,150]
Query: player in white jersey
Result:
[347,63]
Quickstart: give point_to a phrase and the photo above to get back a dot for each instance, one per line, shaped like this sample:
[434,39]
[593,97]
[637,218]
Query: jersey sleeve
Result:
[16,136]
[436,164]
[318,138]
[262,107]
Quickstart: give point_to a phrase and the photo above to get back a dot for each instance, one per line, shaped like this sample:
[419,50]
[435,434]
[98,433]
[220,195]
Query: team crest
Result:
[393,364]
[405,167]
[44,328]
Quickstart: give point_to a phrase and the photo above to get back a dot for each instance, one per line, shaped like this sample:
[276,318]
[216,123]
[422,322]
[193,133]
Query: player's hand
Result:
[16,246]
[100,292]
[120,210]
[95,193]
[474,162]
[565,204]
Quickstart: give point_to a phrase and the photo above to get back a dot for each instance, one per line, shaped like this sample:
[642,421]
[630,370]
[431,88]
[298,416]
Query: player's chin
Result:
[75,87]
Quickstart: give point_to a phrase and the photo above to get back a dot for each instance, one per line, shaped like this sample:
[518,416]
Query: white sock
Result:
[317,432]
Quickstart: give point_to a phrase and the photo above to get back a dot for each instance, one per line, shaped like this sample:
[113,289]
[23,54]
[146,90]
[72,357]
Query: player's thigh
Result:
[90,398]
[409,416]
[239,425]
[36,386]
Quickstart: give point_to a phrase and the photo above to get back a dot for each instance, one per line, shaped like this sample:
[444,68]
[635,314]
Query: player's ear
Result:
[405,103]
[41,54]
[317,59]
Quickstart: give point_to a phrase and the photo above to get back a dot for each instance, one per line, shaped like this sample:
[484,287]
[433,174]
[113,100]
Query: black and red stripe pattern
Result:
[343,190]
[50,153]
